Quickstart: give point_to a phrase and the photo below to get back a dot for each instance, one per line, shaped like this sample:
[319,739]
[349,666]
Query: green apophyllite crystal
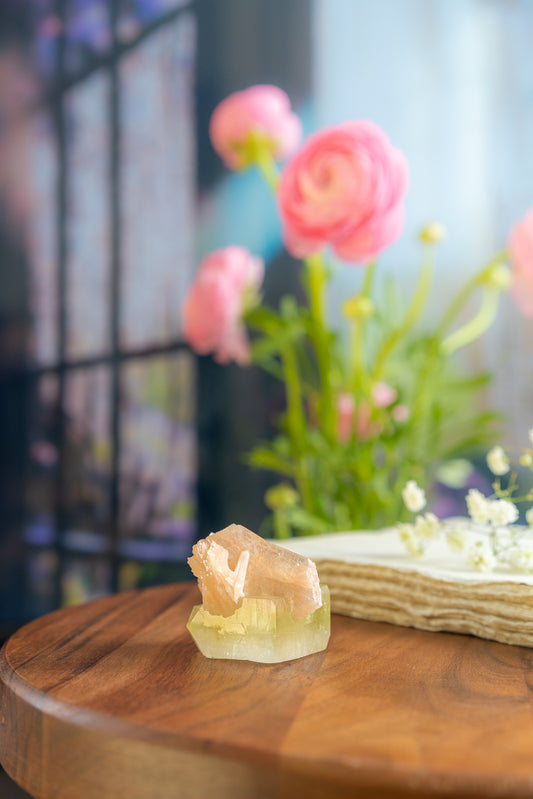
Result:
[262,629]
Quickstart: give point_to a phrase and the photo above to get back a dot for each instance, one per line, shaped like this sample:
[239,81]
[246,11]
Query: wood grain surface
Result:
[112,700]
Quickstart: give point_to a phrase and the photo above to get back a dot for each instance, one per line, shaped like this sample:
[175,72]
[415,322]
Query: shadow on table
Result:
[8,789]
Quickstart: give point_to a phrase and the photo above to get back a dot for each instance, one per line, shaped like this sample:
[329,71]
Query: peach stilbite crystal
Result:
[235,563]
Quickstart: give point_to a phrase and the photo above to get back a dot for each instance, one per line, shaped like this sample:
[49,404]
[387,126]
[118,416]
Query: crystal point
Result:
[226,574]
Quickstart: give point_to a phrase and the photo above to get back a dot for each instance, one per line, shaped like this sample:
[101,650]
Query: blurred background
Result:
[118,447]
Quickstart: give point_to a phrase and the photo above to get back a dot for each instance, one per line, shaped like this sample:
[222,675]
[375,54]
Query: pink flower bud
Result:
[226,281]
[384,395]
[520,246]
[365,428]
[264,111]
[346,188]
[345,417]
[400,413]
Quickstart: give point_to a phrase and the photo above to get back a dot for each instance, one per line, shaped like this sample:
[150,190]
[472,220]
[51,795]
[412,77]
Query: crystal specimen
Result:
[261,629]
[235,563]
[261,602]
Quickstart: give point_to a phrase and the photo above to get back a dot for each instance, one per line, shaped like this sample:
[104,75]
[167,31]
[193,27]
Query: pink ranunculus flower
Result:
[261,110]
[346,188]
[520,247]
[227,281]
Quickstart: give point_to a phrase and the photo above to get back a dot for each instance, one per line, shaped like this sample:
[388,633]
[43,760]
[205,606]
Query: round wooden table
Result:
[112,700]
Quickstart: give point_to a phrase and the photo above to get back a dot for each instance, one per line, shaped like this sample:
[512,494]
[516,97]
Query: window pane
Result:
[158,179]
[87,455]
[48,26]
[42,241]
[139,574]
[158,458]
[88,267]
[87,32]
[85,579]
[134,15]
[41,575]
[40,524]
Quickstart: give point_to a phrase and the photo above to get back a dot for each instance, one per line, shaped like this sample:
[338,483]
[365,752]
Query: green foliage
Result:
[352,477]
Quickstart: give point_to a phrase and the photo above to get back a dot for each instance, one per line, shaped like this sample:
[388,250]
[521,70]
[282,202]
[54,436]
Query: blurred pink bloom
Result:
[263,110]
[350,421]
[51,26]
[345,417]
[44,453]
[400,413]
[520,246]
[384,395]
[346,188]
[227,281]
[365,428]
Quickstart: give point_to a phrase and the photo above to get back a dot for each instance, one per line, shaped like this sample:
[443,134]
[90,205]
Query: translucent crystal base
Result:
[262,630]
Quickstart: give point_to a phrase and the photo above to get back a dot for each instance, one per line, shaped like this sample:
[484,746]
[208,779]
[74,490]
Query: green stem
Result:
[296,424]
[316,283]
[295,417]
[368,280]
[267,166]
[281,526]
[473,329]
[463,295]
[422,398]
[360,377]
[413,312]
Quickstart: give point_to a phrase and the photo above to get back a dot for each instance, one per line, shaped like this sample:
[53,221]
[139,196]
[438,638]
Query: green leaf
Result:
[265,458]
[289,308]
[263,319]
[303,520]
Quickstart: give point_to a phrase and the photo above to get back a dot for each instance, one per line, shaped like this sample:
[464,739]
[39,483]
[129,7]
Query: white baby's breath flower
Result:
[502,512]
[529,517]
[521,557]
[478,506]
[526,459]
[413,496]
[414,545]
[481,557]
[427,526]
[498,461]
[456,539]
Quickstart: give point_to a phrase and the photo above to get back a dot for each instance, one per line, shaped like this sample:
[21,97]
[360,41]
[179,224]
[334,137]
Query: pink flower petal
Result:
[520,246]
[345,187]
[215,303]
[263,110]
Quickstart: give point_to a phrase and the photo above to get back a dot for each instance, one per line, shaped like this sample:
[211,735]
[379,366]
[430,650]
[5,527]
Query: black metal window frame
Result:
[54,101]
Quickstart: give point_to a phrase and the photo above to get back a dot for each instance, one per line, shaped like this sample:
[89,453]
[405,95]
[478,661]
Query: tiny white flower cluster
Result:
[413,496]
[456,539]
[490,538]
[495,511]
[481,556]
[413,544]
[521,557]
[498,461]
